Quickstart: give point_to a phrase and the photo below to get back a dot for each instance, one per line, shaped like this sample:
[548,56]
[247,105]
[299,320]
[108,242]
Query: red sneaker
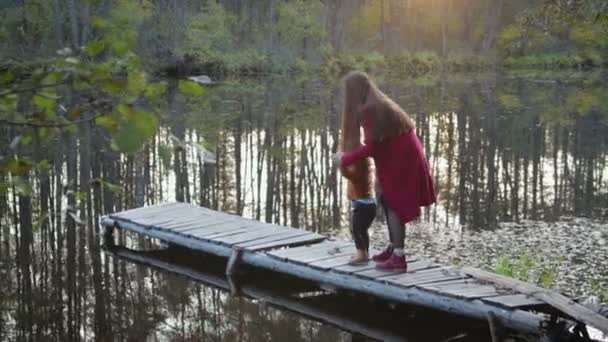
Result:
[384,255]
[394,263]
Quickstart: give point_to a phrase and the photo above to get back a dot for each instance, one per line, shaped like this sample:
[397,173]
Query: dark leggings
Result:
[396,229]
[363,215]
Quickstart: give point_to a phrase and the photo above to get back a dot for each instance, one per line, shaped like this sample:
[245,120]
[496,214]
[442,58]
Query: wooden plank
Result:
[255,235]
[306,238]
[515,301]
[323,254]
[351,269]
[559,301]
[338,260]
[422,277]
[216,231]
[467,290]
[193,221]
[136,212]
[295,252]
[210,234]
[273,238]
[375,273]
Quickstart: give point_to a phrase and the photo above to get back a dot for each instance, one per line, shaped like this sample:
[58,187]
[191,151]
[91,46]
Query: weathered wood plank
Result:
[305,238]
[467,290]
[351,269]
[323,254]
[141,212]
[215,231]
[257,235]
[338,260]
[198,221]
[375,273]
[296,252]
[559,301]
[421,277]
[515,301]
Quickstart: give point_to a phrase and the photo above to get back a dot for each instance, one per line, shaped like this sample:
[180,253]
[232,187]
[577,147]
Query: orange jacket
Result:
[359,179]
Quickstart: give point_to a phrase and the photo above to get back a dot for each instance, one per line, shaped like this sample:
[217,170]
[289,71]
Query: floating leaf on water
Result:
[191,88]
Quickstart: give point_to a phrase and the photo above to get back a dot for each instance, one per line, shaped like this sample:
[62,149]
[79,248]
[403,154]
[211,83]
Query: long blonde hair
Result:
[362,95]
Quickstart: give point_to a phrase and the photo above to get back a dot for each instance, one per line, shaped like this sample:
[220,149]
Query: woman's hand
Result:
[337,159]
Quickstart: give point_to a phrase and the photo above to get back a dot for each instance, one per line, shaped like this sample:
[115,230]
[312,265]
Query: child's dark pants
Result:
[363,215]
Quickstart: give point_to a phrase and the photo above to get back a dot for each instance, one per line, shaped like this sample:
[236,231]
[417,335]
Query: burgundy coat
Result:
[402,169]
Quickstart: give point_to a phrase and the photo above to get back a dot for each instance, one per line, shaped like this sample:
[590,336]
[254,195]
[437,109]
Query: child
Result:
[401,167]
[359,186]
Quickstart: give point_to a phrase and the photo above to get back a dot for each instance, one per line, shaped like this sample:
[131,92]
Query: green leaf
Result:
[138,128]
[22,187]
[120,47]
[154,90]
[191,88]
[146,124]
[94,48]
[136,82]
[8,102]
[127,139]
[98,22]
[17,166]
[6,76]
[106,122]
[4,187]
[114,86]
[126,110]
[45,103]
[53,78]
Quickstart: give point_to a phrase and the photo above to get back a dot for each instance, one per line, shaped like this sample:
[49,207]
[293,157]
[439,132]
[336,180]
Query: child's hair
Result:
[362,95]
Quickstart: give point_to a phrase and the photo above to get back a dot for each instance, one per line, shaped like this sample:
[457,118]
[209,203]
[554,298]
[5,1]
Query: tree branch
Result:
[48,125]
[23,90]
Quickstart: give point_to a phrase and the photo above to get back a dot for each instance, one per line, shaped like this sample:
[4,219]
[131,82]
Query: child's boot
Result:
[360,258]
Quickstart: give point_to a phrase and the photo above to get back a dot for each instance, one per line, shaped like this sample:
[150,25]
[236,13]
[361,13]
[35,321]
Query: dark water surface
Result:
[502,148]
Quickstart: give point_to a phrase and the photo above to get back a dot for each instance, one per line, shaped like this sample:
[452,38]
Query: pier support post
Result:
[235,286]
[108,232]
[233,262]
[495,328]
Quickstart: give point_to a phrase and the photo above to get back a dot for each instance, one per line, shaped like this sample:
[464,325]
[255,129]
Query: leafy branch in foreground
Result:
[103,85]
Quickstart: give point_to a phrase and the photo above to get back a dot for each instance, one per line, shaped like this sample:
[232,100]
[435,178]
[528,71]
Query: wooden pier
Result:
[466,291]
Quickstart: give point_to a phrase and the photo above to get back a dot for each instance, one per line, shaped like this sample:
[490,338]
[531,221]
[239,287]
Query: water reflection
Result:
[502,148]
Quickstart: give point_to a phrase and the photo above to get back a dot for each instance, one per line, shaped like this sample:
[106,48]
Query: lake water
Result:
[522,150]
